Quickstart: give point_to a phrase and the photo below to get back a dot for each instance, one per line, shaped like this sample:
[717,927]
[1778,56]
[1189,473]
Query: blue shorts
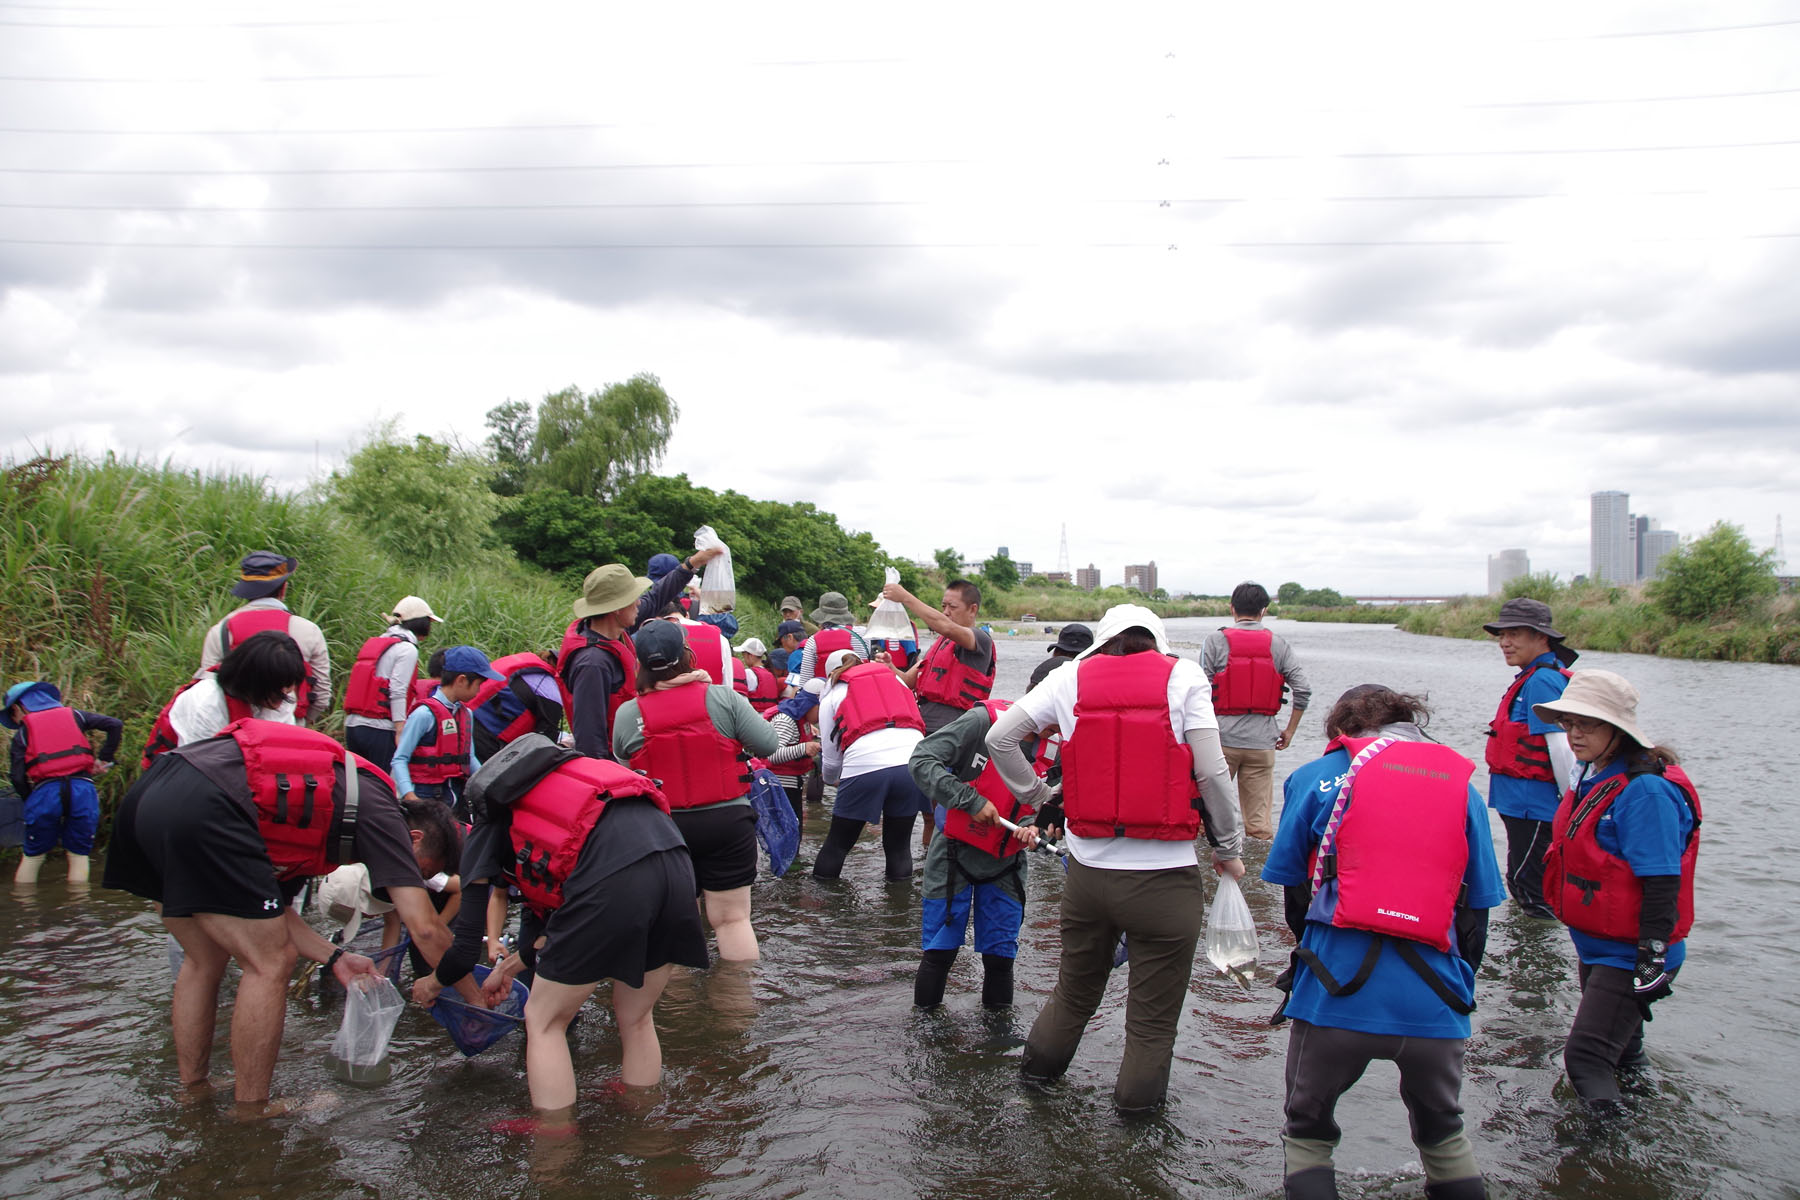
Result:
[65,810]
[888,792]
[998,917]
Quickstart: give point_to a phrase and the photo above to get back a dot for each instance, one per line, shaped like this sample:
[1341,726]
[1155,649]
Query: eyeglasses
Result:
[1582,724]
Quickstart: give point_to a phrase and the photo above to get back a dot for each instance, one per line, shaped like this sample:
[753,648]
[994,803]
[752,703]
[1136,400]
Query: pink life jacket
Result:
[1397,843]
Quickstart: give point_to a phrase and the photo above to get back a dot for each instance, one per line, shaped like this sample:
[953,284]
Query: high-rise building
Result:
[1141,576]
[1639,527]
[1087,578]
[1656,545]
[1610,558]
[1505,567]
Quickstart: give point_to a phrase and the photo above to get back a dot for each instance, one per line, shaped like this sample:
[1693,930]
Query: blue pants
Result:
[65,810]
[998,917]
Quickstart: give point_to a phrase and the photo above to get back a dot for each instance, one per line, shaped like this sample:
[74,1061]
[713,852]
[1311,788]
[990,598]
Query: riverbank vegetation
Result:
[1716,600]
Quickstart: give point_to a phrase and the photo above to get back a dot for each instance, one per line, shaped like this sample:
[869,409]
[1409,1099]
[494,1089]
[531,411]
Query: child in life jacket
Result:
[978,867]
[436,751]
[1389,870]
[53,766]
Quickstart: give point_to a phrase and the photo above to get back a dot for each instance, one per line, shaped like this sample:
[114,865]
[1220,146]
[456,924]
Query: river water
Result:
[810,1076]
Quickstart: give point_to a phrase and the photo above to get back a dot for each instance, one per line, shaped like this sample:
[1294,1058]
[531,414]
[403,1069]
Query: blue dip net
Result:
[473,1028]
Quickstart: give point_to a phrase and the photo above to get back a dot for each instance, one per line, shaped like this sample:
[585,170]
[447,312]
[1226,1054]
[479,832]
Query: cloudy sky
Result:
[1354,295]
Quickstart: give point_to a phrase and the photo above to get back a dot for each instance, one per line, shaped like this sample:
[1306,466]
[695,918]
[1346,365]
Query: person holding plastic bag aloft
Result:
[1141,763]
[891,632]
[1391,921]
[978,868]
[1620,875]
[608,887]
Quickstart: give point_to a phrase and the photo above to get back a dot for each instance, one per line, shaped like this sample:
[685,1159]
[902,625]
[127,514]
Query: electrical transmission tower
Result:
[1062,550]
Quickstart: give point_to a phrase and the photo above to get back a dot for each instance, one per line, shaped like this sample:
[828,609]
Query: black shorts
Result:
[179,839]
[723,843]
[633,921]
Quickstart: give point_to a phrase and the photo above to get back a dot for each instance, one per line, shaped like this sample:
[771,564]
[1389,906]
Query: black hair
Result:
[261,668]
[434,666]
[1248,599]
[419,627]
[971,595]
[442,839]
[648,678]
[1365,708]
[1135,640]
[671,609]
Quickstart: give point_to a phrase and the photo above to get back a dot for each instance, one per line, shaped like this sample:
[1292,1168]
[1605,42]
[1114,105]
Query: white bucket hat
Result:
[1121,617]
[1602,695]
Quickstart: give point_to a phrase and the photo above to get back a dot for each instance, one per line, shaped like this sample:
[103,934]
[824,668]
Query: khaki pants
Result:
[1160,911]
[1254,771]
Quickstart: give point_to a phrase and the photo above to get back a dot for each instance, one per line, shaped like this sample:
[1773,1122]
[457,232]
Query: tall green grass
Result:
[1597,617]
[112,571]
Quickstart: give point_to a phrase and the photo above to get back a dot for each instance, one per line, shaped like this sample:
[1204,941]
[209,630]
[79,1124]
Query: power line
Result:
[660,205]
[1650,33]
[210,79]
[1295,244]
[519,168]
[1369,154]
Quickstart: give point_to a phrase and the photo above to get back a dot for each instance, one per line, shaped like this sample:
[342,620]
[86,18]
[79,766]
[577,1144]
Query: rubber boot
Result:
[996,981]
[1472,1188]
[1314,1183]
[934,971]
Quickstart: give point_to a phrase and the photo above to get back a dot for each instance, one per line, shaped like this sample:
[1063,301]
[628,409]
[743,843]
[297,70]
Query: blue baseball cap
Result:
[467,660]
[660,565]
[793,627]
[35,695]
[659,644]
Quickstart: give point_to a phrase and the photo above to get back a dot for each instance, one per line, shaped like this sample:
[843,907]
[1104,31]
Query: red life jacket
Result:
[162,731]
[1512,748]
[824,643]
[1249,683]
[709,650]
[513,666]
[946,679]
[1124,774]
[445,754]
[366,695]
[1595,892]
[56,747]
[896,650]
[995,839]
[552,821]
[291,774]
[685,753]
[419,693]
[875,699]
[576,638]
[1398,844]
[252,621]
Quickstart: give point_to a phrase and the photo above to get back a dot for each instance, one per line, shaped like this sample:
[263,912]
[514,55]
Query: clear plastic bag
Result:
[371,1009]
[1231,930]
[718,584]
[889,620]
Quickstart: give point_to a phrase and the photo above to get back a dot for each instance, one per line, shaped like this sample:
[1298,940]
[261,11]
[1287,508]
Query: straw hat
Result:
[608,589]
[1602,695]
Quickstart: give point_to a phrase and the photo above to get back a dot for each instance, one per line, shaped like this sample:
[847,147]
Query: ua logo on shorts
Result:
[271,905]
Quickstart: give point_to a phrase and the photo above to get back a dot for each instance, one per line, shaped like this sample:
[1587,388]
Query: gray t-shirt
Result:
[1255,731]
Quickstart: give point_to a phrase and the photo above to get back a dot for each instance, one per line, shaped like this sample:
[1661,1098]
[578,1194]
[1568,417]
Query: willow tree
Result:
[583,443]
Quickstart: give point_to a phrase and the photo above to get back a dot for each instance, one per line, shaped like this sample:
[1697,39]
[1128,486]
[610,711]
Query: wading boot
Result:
[1314,1183]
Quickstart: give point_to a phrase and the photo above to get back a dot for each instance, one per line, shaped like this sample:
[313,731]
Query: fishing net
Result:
[474,1028]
